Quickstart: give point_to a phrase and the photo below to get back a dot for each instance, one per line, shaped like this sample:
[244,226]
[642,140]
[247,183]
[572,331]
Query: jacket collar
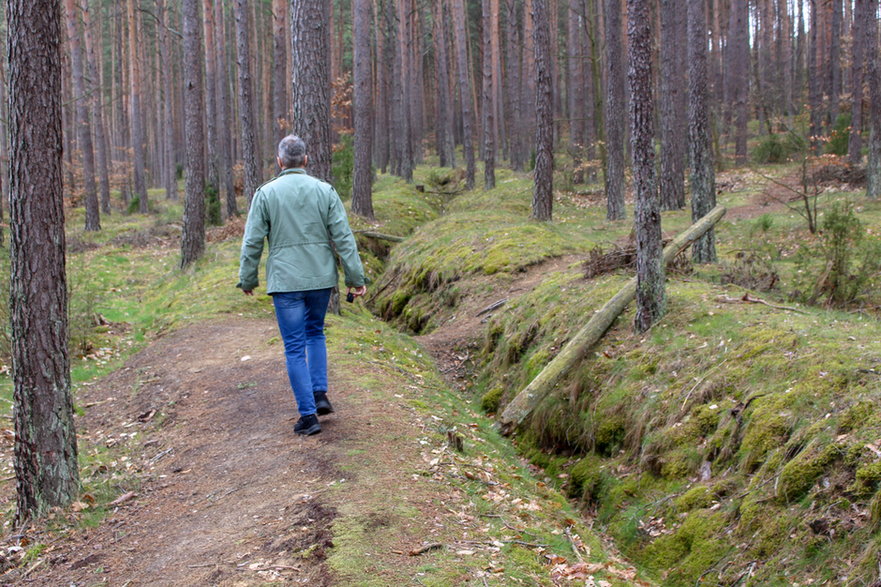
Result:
[292,170]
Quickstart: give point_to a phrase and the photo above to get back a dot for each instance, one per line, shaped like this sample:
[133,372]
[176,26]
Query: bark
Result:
[224,123]
[212,179]
[193,237]
[834,69]
[45,437]
[614,112]
[543,192]
[280,108]
[488,100]
[576,349]
[135,113]
[671,181]
[738,64]
[443,124]
[83,118]
[362,200]
[575,98]
[651,298]
[404,138]
[514,83]
[248,126]
[96,92]
[385,59]
[873,171]
[861,38]
[310,67]
[703,175]
[459,20]
[815,96]
[169,166]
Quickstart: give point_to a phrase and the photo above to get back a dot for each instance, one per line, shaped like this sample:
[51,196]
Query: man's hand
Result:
[248,292]
[358,291]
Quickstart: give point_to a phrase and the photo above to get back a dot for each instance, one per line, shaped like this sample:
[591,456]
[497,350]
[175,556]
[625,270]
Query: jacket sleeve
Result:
[256,229]
[344,241]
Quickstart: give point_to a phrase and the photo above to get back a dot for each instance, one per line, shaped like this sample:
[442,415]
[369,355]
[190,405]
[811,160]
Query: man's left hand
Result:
[248,292]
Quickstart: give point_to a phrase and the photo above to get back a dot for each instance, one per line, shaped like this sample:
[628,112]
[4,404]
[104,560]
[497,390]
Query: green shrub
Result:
[343,166]
[776,148]
[212,205]
[840,135]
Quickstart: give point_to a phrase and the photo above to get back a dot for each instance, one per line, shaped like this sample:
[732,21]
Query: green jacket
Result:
[300,216]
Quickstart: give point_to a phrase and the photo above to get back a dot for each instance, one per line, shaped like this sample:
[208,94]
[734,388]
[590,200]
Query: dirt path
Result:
[228,494]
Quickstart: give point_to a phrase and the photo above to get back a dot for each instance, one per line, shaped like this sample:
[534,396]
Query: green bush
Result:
[343,166]
[849,264]
[777,148]
[840,135]
[212,205]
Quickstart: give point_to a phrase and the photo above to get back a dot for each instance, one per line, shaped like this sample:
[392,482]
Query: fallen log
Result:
[380,236]
[528,398]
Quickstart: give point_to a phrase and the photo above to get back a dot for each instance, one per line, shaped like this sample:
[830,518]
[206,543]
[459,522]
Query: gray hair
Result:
[292,152]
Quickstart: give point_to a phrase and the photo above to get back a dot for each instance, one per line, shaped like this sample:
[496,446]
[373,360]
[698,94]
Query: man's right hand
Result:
[248,292]
[358,291]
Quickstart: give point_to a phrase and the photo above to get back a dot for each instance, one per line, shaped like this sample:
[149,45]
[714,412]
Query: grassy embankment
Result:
[732,442]
[127,290]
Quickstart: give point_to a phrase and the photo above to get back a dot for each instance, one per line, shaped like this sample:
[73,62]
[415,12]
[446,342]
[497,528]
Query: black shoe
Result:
[307,425]
[322,404]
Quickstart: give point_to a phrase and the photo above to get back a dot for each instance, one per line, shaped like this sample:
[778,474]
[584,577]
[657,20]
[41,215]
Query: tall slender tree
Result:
[488,101]
[310,67]
[224,115]
[614,112]
[443,123]
[253,176]
[873,171]
[459,20]
[83,115]
[650,293]
[280,105]
[543,191]
[672,167]
[193,237]
[45,437]
[95,91]
[136,115]
[703,175]
[362,199]
[169,168]
[862,32]
[212,177]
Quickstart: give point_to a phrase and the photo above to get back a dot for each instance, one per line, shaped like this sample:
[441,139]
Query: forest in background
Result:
[446,79]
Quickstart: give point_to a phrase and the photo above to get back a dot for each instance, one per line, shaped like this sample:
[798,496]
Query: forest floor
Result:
[226,494]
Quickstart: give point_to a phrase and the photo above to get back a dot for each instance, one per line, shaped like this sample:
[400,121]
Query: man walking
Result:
[301,216]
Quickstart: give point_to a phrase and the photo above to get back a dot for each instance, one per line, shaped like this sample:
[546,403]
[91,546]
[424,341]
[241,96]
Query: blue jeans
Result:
[300,316]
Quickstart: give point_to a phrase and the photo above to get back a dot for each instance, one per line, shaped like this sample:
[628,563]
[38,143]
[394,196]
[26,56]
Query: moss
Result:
[875,511]
[585,479]
[800,474]
[690,549]
[610,432]
[868,476]
[856,416]
[490,401]
[695,498]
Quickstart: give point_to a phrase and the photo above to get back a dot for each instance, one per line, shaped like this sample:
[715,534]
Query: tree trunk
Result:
[703,174]
[384,60]
[614,112]
[443,124]
[280,108]
[576,349]
[543,191]
[488,102]
[815,97]
[169,167]
[45,437]
[861,38]
[224,107]
[253,176]
[83,119]
[193,237]
[362,199]
[310,68]
[212,179]
[513,88]
[671,181]
[834,69]
[96,91]
[873,171]
[459,20]
[575,98]
[738,64]
[650,294]
[136,115]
